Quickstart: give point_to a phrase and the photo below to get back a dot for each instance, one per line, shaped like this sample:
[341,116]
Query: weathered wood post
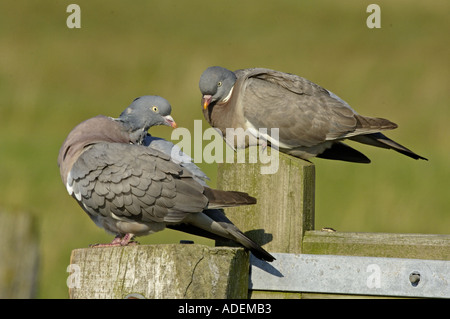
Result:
[19,256]
[158,271]
[285,208]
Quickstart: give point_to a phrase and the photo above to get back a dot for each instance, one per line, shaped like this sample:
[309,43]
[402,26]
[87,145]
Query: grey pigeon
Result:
[133,190]
[137,111]
[312,121]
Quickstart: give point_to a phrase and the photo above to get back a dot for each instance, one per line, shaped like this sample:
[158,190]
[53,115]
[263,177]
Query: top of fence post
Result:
[285,207]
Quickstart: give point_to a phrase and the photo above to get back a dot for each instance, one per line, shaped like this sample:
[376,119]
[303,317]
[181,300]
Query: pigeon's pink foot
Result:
[118,241]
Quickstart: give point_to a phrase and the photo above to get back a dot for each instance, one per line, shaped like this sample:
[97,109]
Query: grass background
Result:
[52,78]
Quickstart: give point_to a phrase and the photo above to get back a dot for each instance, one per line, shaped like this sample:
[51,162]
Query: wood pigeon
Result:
[311,120]
[130,189]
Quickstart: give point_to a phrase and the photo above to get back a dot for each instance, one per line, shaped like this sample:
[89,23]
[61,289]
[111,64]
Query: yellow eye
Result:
[155,108]
[219,84]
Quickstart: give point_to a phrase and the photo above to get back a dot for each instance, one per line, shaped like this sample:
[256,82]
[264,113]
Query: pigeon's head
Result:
[216,84]
[145,112]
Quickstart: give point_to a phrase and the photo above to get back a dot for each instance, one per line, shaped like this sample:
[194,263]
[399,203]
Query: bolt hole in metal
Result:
[414,278]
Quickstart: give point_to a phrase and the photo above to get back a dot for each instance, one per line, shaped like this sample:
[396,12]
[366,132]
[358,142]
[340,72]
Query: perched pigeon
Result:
[137,112]
[133,190]
[312,121]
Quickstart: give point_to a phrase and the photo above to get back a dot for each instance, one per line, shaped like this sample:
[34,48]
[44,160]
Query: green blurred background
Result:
[53,77]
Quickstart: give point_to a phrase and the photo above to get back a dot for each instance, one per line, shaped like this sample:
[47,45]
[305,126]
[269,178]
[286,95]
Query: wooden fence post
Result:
[159,271]
[285,207]
[19,256]
[283,222]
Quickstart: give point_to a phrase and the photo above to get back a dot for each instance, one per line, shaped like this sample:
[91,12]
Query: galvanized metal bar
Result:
[352,275]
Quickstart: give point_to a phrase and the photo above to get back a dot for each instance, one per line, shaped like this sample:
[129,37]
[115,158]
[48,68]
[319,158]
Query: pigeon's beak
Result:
[169,121]
[206,100]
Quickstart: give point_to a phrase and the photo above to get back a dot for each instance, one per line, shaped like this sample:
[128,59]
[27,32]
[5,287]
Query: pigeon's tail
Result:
[235,234]
[380,140]
[256,249]
[373,123]
[219,198]
[212,223]
[342,152]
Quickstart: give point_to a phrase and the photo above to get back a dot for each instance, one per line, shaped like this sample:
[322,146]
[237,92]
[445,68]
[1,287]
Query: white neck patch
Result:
[228,96]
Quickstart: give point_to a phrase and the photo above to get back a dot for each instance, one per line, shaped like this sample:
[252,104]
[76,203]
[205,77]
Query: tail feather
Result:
[366,122]
[212,223]
[219,198]
[342,152]
[219,216]
[380,140]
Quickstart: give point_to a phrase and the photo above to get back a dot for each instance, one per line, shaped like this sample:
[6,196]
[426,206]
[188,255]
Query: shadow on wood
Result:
[285,207]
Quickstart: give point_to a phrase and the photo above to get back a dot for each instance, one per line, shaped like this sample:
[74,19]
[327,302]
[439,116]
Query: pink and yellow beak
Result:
[169,121]
[206,100]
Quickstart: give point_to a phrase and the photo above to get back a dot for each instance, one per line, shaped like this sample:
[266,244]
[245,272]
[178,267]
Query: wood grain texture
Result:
[284,209]
[160,271]
[419,246]
[285,201]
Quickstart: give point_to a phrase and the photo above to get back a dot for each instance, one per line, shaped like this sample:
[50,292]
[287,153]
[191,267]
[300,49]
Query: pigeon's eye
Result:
[155,109]
[219,84]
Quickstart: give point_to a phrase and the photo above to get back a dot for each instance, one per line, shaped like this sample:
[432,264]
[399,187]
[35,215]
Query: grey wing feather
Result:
[135,182]
[177,156]
[306,113]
